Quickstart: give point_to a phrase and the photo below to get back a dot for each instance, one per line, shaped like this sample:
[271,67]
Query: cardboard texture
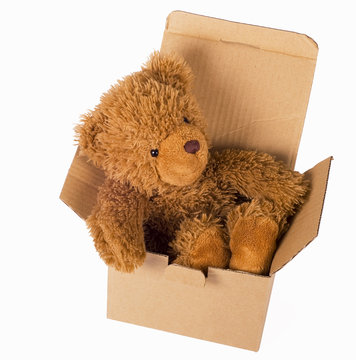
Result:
[228,307]
[253,85]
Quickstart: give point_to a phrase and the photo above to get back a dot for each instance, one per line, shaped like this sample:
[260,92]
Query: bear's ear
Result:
[170,69]
[89,133]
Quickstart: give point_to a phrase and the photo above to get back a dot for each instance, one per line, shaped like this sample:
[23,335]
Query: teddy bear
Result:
[167,190]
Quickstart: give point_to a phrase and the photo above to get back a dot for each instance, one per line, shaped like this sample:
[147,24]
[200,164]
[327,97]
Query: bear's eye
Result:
[154,152]
[186,120]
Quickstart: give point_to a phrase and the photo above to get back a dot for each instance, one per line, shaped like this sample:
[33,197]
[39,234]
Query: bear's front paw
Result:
[127,259]
[124,256]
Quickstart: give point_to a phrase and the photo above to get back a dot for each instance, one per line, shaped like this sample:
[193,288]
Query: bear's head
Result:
[148,130]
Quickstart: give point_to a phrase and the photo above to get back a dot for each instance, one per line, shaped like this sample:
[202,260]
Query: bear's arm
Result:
[258,176]
[116,224]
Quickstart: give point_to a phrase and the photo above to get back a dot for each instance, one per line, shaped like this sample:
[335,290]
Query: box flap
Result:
[81,185]
[305,225]
[252,83]
[184,275]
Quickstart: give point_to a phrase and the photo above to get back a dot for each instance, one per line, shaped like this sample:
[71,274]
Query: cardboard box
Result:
[253,85]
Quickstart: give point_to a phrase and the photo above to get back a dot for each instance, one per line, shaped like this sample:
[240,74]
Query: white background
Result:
[56,58]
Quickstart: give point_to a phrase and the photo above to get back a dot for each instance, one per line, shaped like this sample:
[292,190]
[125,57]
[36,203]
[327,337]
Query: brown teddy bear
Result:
[166,191]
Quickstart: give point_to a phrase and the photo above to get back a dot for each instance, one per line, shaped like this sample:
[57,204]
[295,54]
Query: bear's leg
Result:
[253,231]
[200,243]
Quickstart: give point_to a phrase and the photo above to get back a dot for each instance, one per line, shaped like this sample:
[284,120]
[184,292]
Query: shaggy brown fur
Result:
[165,191]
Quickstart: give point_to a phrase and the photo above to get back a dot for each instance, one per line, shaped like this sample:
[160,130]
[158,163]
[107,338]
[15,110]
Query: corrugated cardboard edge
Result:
[306,223]
[263,38]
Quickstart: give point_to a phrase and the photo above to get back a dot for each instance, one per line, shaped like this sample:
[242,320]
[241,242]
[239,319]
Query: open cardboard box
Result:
[253,85]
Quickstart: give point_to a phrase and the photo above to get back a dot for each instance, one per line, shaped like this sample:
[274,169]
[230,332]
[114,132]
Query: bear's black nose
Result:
[192,146]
